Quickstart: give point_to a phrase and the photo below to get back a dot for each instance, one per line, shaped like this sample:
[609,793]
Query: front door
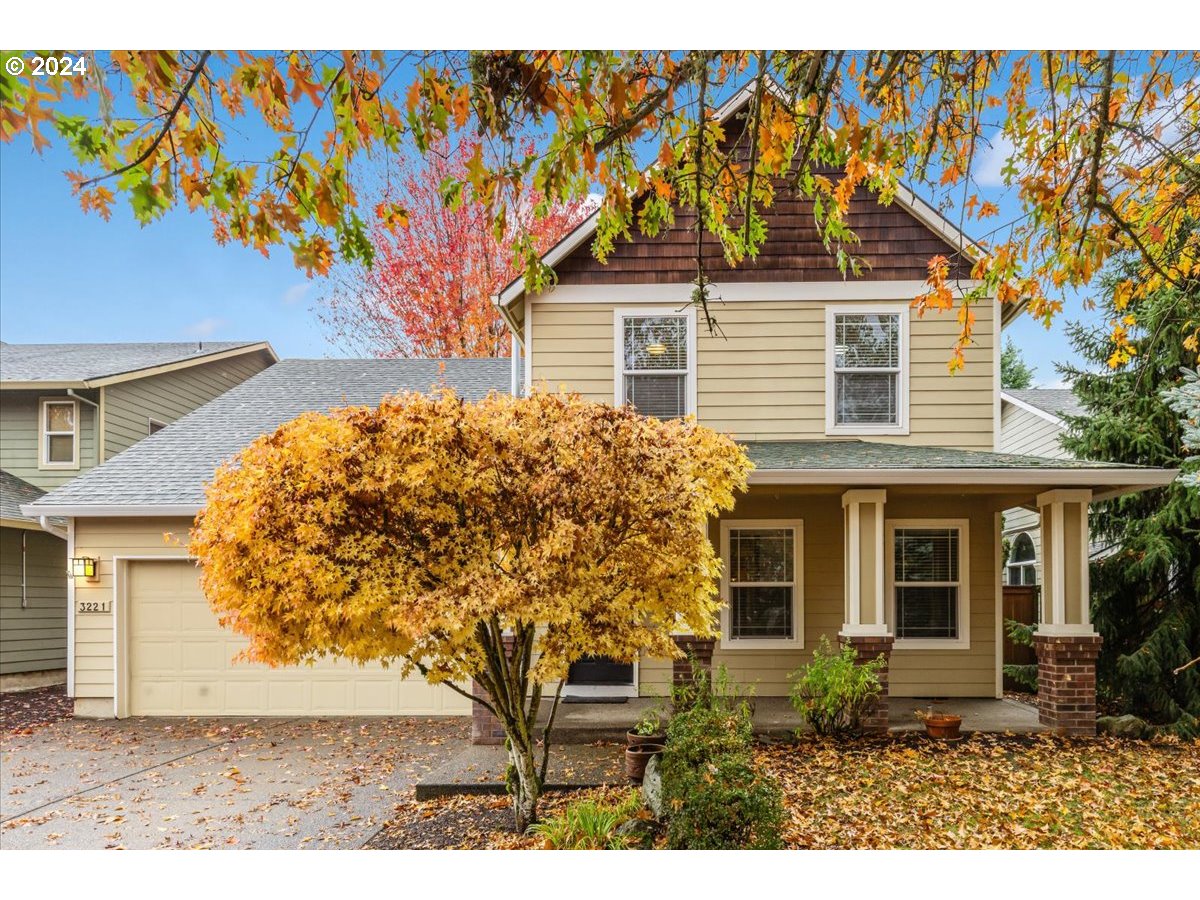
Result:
[599,676]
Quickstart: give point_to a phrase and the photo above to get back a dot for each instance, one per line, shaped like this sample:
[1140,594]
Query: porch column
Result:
[1066,643]
[865,627]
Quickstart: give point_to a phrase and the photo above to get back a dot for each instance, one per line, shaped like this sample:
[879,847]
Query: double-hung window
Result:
[928,583]
[655,361]
[763,584]
[59,434]
[866,389]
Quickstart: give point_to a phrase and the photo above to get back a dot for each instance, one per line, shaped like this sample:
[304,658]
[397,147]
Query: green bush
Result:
[1023,674]
[701,734]
[833,692]
[710,691]
[589,825]
[723,804]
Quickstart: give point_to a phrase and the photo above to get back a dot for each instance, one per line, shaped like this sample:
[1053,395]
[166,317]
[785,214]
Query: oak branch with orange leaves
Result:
[430,532]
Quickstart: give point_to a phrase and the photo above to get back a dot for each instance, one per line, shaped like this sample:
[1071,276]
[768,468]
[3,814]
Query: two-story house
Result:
[873,516]
[64,408]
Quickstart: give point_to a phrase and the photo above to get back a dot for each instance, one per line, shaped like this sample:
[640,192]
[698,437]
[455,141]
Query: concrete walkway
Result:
[585,723]
[266,783]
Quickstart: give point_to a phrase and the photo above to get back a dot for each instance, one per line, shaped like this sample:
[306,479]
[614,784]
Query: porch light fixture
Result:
[658,348]
[85,567]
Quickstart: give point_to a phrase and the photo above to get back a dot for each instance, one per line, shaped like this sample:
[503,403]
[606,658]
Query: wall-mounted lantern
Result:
[85,567]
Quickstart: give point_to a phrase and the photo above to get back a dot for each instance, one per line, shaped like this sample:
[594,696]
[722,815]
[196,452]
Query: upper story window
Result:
[866,379]
[763,566]
[656,361]
[59,434]
[928,583]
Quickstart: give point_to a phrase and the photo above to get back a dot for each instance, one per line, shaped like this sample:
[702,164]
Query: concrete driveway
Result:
[269,783]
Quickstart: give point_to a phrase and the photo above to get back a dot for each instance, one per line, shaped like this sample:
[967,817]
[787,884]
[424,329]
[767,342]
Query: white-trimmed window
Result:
[58,434]
[655,361]
[1022,561]
[928,576]
[866,378]
[762,583]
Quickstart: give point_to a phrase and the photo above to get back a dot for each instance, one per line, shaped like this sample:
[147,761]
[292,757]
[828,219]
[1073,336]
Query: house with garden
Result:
[873,515]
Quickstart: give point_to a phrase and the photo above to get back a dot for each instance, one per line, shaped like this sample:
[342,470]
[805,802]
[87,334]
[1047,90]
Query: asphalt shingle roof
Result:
[802,455]
[13,492]
[84,362]
[172,466]
[1056,401]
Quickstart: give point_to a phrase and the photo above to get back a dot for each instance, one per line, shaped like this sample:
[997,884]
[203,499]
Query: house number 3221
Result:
[93,606]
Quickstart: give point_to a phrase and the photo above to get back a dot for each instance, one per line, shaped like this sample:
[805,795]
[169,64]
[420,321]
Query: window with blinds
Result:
[655,374]
[762,583]
[926,582]
[866,369]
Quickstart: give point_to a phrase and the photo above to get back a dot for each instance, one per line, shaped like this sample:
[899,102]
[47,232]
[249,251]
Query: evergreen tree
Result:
[1015,373]
[1146,591]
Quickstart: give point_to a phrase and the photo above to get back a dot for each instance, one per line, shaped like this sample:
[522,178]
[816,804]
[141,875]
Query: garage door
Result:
[181,663]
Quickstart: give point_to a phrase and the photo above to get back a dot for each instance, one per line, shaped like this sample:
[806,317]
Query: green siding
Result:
[33,638]
[129,406]
[19,437]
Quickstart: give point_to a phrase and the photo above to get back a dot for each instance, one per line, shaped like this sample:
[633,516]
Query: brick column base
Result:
[694,648]
[869,647]
[1067,682]
[486,728]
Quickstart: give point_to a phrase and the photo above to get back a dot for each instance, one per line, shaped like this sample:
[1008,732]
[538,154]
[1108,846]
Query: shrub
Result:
[1023,674]
[701,734]
[709,691]
[833,691]
[723,805]
[589,825]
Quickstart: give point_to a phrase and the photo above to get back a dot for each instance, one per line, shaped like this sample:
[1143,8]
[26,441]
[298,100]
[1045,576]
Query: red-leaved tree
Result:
[429,290]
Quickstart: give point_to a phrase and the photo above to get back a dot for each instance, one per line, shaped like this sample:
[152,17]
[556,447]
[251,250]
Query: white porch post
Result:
[865,627]
[1066,643]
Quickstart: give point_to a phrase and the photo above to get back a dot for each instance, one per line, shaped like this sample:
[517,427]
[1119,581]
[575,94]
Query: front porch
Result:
[585,723]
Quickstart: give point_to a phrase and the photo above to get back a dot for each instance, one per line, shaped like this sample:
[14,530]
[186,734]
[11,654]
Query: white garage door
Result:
[181,664]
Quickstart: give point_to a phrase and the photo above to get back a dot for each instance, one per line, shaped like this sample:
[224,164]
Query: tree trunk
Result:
[525,783]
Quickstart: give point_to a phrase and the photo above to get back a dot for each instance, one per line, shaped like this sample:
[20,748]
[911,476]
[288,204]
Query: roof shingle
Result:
[85,362]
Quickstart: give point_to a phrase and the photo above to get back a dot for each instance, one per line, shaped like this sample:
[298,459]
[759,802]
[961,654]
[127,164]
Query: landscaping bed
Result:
[906,791]
[23,711]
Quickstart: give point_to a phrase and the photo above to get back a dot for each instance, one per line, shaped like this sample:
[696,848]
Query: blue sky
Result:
[67,276]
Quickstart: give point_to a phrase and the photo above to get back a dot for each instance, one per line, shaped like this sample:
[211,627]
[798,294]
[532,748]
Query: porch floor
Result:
[774,717]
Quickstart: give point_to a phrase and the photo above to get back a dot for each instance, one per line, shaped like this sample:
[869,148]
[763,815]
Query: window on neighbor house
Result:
[656,364]
[927,583]
[867,393]
[762,583]
[1022,561]
[60,435]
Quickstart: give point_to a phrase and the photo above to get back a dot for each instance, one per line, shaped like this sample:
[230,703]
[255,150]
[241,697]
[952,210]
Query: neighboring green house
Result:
[63,408]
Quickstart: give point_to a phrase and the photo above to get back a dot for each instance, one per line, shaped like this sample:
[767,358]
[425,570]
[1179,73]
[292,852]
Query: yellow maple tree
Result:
[497,541]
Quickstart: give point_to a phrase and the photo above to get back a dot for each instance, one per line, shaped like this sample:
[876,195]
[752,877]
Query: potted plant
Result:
[648,730]
[637,756]
[940,725]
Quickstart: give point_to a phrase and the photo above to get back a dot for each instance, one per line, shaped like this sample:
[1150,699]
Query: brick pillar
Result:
[486,728]
[1067,682]
[700,649]
[869,647]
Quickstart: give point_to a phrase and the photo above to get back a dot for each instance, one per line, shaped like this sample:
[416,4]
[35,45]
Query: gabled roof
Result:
[95,365]
[165,473]
[904,197]
[13,492]
[1048,403]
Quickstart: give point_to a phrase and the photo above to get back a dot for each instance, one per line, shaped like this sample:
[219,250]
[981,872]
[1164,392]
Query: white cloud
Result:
[296,293]
[989,166]
[205,327]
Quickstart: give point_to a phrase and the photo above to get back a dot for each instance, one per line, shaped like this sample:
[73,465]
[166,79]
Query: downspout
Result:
[55,530]
[99,434]
[24,593]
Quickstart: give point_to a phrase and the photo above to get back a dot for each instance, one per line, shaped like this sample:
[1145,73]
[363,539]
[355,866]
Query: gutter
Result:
[114,510]
[1121,480]
[44,521]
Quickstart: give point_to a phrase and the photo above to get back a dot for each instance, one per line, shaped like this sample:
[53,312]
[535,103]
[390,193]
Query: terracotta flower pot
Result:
[632,738]
[636,758]
[942,726]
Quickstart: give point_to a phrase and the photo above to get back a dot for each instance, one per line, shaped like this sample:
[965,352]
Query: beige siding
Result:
[129,406]
[180,662]
[764,377]
[968,672]
[19,422]
[33,636]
